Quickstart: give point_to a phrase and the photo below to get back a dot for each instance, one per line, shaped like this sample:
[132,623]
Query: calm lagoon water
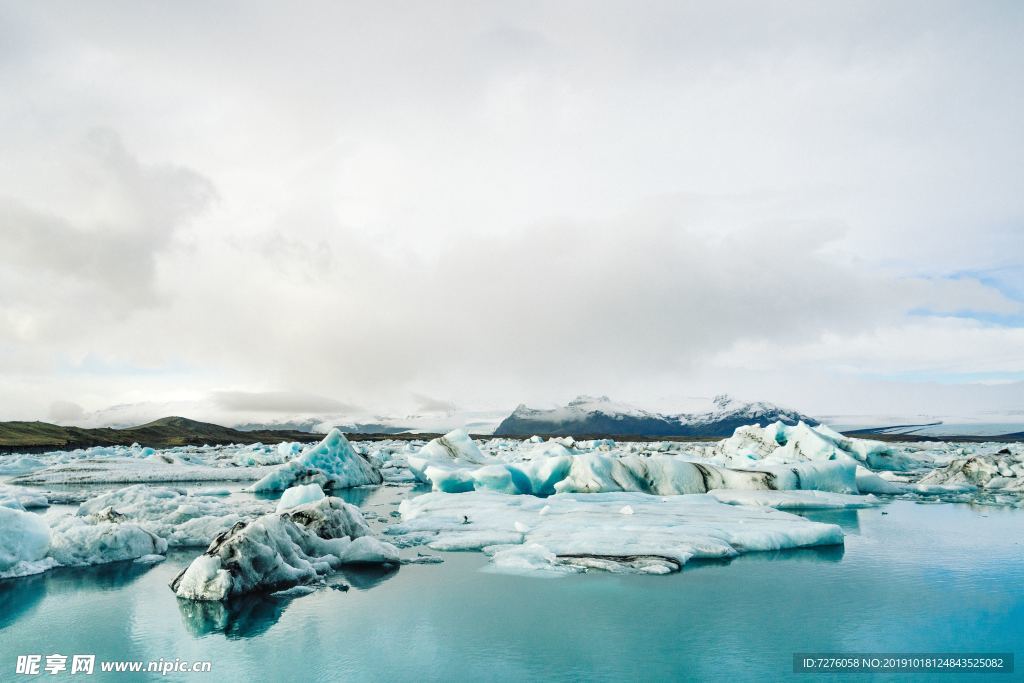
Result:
[921,578]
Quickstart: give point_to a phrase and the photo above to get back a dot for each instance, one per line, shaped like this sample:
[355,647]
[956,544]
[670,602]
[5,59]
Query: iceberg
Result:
[281,550]
[28,545]
[455,448]
[101,538]
[183,520]
[1003,471]
[24,543]
[575,532]
[20,465]
[784,443]
[331,464]
[300,495]
[602,472]
[21,498]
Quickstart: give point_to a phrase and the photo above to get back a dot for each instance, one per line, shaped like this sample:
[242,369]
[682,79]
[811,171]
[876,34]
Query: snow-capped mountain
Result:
[599,415]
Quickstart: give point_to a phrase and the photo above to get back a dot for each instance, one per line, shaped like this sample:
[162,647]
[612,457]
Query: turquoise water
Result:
[921,578]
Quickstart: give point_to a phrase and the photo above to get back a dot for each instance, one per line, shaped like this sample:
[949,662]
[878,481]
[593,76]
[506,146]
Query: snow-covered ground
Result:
[541,506]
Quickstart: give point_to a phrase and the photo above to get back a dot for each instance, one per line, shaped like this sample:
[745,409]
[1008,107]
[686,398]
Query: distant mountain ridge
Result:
[601,415]
[163,433]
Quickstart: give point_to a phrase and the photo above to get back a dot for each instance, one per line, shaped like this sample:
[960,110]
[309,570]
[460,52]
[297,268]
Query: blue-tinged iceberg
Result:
[331,464]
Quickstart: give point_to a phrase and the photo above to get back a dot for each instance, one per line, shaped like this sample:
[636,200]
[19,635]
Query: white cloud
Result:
[504,202]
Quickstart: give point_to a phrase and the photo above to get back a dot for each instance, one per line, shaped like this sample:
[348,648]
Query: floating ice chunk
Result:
[800,443]
[281,550]
[869,482]
[602,472]
[938,489]
[101,539]
[332,463]
[117,470]
[20,465]
[626,510]
[448,479]
[183,520]
[24,542]
[21,498]
[795,500]
[531,559]
[1003,471]
[151,559]
[454,448]
[300,495]
[589,531]
[491,478]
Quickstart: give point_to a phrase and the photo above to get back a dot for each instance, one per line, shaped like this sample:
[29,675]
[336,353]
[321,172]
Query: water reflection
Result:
[251,615]
[819,553]
[242,617]
[848,520]
[367,576]
[20,596]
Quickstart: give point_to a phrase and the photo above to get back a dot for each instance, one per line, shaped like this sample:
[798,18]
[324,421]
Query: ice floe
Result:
[281,550]
[29,545]
[574,532]
[182,519]
[118,470]
[795,500]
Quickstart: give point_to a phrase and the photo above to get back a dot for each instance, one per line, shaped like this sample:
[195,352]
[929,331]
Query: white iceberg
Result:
[331,464]
[454,449]
[581,531]
[1003,471]
[801,443]
[28,545]
[24,543]
[101,538]
[281,550]
[181,519]
[21,498]
[20,464]
[300,495]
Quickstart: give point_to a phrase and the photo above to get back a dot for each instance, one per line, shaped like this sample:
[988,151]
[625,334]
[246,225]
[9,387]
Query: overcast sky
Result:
[291,208]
